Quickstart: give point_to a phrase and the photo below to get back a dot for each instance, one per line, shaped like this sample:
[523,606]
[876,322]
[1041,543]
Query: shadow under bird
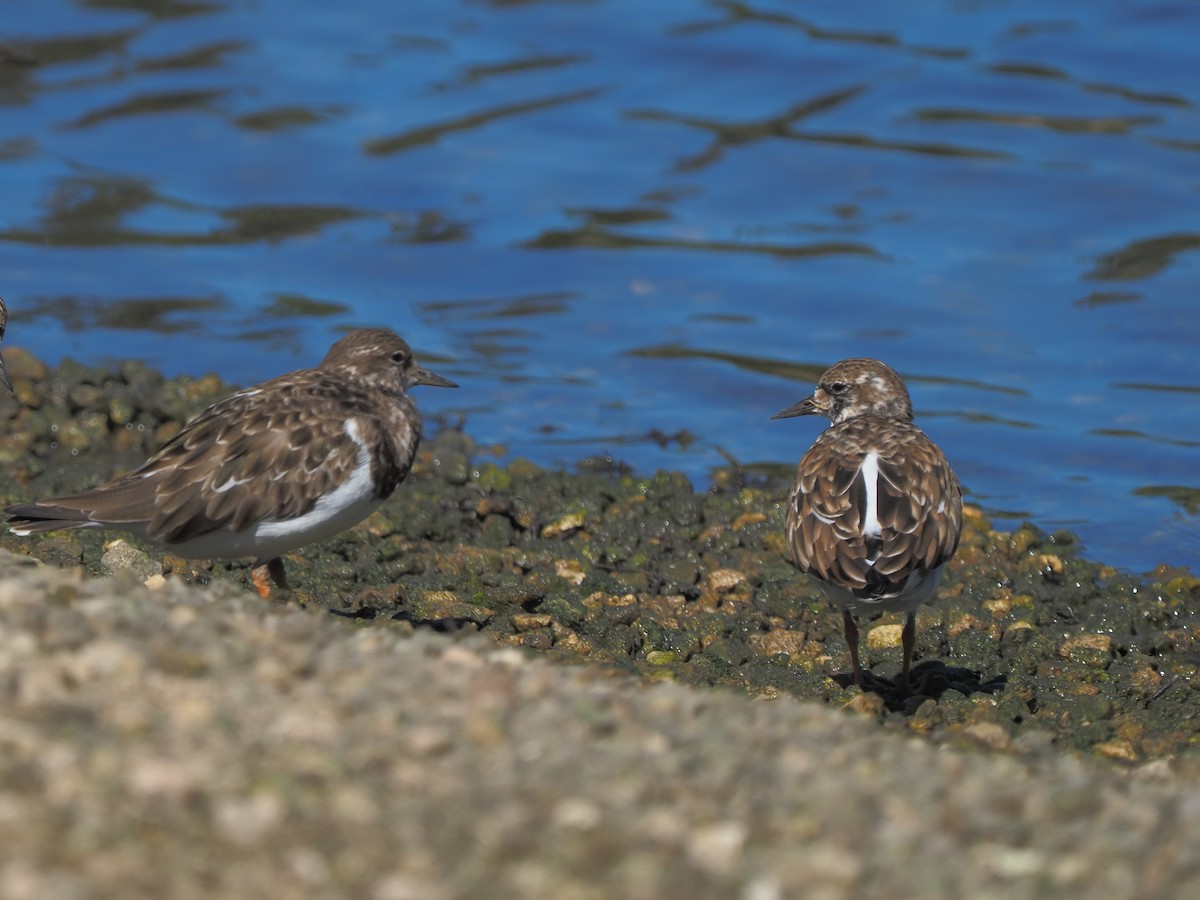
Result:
[270,468]
[4,379]
[876,511]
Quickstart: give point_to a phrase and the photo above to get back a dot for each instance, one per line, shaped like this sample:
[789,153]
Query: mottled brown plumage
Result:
[876,510]
[270,468]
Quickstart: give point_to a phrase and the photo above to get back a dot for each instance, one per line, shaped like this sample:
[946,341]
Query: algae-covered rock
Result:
[436,606]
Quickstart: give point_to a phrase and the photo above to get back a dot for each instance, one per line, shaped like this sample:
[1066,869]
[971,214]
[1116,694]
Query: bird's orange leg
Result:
[263,573]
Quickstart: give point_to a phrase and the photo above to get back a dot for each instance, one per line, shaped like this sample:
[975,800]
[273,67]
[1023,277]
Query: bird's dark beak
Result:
[805,407]
[421,375]
[4,379]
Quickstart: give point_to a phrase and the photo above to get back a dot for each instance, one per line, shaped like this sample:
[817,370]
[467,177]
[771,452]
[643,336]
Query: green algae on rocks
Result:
[1027,644]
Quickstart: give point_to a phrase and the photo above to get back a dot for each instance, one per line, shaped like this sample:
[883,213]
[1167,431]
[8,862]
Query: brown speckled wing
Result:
[919,507]
[268,452]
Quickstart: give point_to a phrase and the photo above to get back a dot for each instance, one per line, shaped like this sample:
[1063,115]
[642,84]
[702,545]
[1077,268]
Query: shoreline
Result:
[650,576]
[550,683]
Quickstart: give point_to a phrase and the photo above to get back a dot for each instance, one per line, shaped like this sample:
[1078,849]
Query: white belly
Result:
[347,505]
[271,538]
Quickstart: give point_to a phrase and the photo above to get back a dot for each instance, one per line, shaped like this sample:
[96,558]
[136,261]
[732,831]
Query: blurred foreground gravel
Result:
[197,742]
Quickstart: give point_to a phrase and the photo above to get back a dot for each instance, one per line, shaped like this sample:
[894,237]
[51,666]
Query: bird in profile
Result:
[4,379]
[876,511]
[270,468]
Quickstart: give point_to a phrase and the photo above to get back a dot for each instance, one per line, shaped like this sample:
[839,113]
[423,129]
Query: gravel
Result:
[187,741]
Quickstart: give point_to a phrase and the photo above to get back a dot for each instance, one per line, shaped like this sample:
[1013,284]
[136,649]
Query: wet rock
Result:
[722,581]
[990,735]
[1089,649]
[867,705]
[1119,750]
[566,609]
[679,576]
[86,396]
[530,621]
[435,606]
[882,637]
[122,557]
[728,650]
[564,525]
[570,571]
[60,552]
[496,531]
[780,642]
[925,716]
[23,366]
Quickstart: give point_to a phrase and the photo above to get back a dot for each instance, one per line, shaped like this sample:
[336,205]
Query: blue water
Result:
[642,228]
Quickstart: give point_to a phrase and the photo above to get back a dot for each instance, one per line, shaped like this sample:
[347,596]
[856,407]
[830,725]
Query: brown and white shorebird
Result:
[876,511]
[271,468]
[4,379]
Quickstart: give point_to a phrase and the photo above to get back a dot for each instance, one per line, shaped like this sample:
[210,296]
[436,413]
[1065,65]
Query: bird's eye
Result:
[399,357]
[838,387]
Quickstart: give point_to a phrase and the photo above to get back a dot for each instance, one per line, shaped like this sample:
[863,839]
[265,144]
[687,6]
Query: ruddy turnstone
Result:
[876,511]
[4,379]
[271,468]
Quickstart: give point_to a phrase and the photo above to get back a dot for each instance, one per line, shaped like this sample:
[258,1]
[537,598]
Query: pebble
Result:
[120,556]
[882,637]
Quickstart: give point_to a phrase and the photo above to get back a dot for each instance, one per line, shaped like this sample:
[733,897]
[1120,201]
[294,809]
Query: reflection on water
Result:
[89,211]
[1160,388]
[500,308]
[1143,258]
[1044,71]
[728,135]
[1102,298]
[597,236]
[1188,498]
[734,14]
[431,134]
[474,74]
[286,306]
[162,315]
[281,118]
[1095,125]
[150,104]
[1141,435]
[643,228]
[807,373]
